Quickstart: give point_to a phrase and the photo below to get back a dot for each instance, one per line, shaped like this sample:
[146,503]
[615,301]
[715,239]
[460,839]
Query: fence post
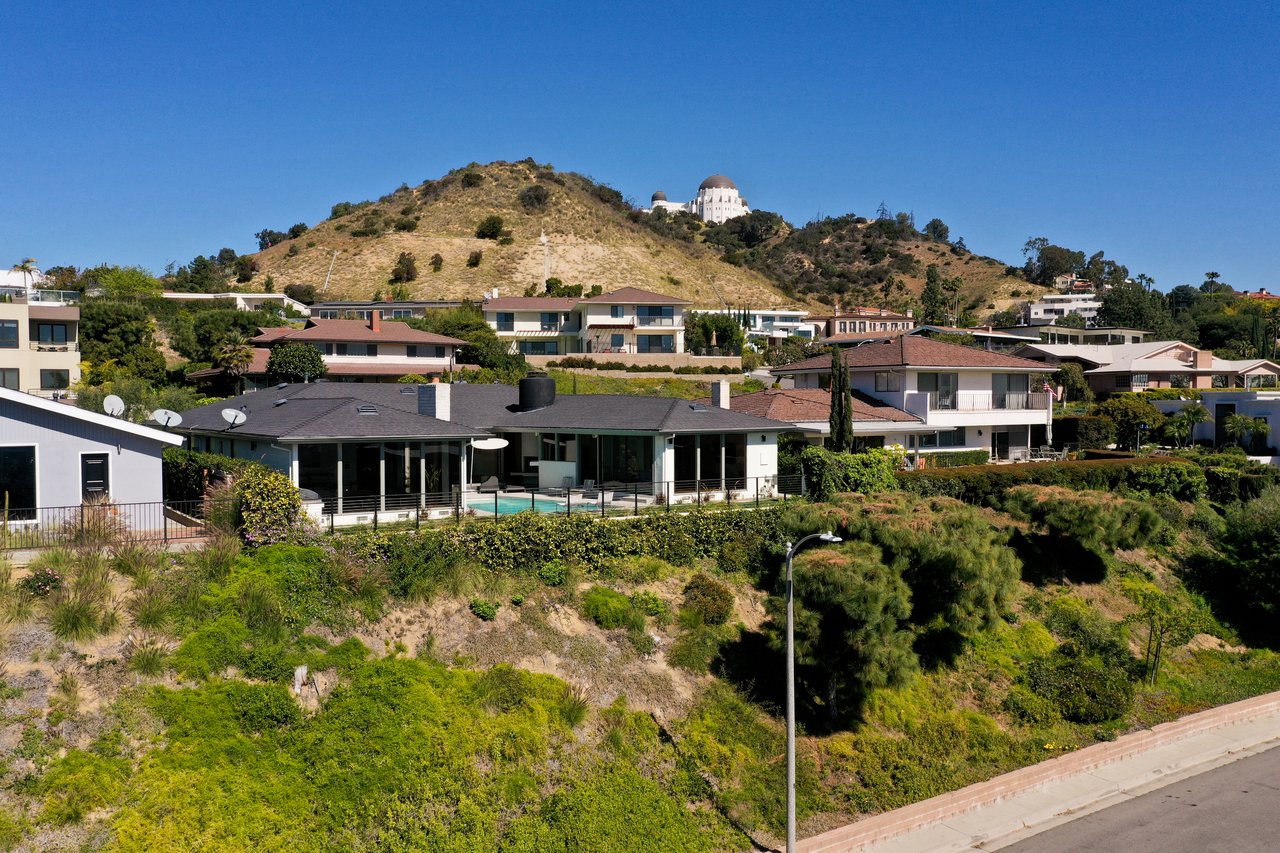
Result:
[417,517]
[568,501]
[635,488]
[669,491]
[495,506]
[375,513]
[757,492]
[164,522]
[697,491]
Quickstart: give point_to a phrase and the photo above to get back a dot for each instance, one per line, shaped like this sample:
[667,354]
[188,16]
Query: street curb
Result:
[882,827]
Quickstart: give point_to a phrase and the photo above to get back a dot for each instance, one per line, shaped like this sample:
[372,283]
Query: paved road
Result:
[1232,808]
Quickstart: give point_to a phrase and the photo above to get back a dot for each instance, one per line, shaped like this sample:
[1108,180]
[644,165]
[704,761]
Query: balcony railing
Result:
[987,401]
[65,297]
[655,321]
[47,346]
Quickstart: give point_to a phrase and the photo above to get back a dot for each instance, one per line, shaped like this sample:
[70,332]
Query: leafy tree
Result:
[483,348]
[295,361]
[1246,579]
[406,268]
[936,229]
[1131,306]
[1134,418]
[1072,320]
[1007,317]
[123,283]
[304,293]
[267,238]
[297,230]
[1104,273]
[702,327]
[841,419]
[746,232]
[437,261]
[933,301]
[849,633]
[490,228]
[119,334]
[245,267]
[1075,388]
[1168,622]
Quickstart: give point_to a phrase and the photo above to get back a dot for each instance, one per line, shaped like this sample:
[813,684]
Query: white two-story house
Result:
[629,321]
[967,398]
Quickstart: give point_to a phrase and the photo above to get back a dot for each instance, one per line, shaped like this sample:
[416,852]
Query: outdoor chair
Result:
[489,486]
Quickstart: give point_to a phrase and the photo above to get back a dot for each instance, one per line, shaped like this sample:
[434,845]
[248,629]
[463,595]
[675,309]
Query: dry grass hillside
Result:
[591,241]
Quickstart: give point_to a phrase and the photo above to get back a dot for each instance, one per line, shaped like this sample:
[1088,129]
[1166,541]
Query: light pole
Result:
[826,536]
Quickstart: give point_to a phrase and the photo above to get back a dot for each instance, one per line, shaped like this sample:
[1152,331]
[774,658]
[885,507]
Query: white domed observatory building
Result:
[718,200]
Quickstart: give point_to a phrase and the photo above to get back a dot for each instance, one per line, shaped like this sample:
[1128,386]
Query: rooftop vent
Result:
[366,410]
[279,402]
[698,407]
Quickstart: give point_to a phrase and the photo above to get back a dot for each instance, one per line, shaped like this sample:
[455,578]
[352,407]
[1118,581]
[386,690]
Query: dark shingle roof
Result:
[808,405]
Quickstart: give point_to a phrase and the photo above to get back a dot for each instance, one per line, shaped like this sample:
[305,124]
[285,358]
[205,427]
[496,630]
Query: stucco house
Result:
[628,321]
[968,398]
[53,454]
[375,448]
[1157,364]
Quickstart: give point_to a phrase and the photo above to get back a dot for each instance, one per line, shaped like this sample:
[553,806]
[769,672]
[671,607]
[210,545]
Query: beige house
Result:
[1157,364]
[39,344]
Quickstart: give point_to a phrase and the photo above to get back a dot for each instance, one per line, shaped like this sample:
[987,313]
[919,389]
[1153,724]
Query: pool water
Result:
[510,505]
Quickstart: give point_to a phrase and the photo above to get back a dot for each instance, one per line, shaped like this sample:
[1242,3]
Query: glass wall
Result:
[626,459]
[318,470]
[710,462]
[380,475]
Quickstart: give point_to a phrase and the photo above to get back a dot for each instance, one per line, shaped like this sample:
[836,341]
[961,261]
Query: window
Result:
[506,321]
[539,347]
[8,334]
[615,311]
[51,333]
[950,438]
[655,315]
[656,343]
[424,351]
[55,380]
[887,381]
[9,378]
[549,322]
[1123,381]
[615,342]
[941,388]
[402,312]
[351,349]
[1140,380]
[18,473]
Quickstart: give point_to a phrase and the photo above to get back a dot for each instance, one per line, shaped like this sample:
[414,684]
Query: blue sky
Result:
[148,133]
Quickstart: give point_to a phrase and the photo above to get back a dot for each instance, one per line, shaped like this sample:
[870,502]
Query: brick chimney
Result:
[375,320]
[720,393]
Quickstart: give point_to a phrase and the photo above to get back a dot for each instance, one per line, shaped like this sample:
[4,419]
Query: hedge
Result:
[956,459]
[828,473]
[1084,431]
[986,484]
[522,544]
[188,474]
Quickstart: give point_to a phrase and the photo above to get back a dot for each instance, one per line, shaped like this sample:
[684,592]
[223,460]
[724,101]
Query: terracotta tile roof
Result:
[272,333]
[530,303]
[914,351]
[636,296]
[392,332]
[808,405]
[861,337]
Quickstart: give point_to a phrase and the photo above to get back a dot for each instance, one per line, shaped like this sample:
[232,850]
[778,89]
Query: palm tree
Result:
[1182,426]
[27,266]
[1242,428]
[234,355]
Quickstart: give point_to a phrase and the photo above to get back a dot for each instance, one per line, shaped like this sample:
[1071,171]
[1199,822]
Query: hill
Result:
[850,259]
[594,238]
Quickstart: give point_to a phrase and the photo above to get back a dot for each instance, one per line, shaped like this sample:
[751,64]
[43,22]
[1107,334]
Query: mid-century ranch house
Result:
[372,447]
[1156,364]
[967,398]
[373,350]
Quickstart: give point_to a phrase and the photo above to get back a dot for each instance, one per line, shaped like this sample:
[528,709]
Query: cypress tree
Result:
[841,423]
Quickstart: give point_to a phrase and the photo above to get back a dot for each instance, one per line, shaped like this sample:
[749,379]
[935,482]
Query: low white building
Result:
[245,301]
[772,325]
[718,200]
[1054,306]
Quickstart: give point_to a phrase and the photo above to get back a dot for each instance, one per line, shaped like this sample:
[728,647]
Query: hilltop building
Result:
[717,201]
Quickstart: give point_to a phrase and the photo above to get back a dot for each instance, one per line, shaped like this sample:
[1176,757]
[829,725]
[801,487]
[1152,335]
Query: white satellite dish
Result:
[489,443]
[235,417]
[166,417]
[113,405]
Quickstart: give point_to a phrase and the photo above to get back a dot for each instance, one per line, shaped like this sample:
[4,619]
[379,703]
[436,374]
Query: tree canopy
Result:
[295,361]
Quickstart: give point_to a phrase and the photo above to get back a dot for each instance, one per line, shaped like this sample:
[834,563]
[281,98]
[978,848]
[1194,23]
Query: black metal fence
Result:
[90,523]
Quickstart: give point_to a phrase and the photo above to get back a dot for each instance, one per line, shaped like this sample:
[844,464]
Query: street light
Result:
[827,536]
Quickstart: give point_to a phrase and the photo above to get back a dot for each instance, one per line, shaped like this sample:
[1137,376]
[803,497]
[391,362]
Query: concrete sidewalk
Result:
[1009,808]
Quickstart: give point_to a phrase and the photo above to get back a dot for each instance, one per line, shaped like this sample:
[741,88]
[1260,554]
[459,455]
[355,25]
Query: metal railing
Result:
[656,321]
[49,346]
[102,523]
[987,401]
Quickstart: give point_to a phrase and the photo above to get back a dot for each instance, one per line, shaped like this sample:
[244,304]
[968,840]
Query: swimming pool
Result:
[512,504]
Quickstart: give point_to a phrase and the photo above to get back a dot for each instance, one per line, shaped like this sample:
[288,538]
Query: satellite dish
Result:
[489,443]
[235,417]
[113,405]
[166,417]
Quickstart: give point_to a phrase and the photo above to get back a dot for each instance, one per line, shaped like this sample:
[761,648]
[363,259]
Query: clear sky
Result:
[151,132]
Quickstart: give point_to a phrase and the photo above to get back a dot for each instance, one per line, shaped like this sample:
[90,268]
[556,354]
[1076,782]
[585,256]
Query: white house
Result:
[1054,306]
[772,325]
[1260,405]
[718,200]
[969,398]
[1156,364]
[245,301]
[629,321]
[56,455]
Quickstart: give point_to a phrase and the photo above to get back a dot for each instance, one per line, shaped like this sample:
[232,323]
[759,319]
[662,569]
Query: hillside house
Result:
[1156,364]
[629,321]
[40,341]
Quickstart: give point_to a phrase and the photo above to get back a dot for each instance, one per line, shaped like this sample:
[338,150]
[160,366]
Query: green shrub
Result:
[503,688]
[709,599]
[262,707]
[610,609]
[473,259]
[79,783]
[956,459]
[1083,690]
[1028,707]
[648,604]
[270,507]
[554,573]
[696,648]
[188,475]
[485,611]
[490,228]
[827,473]
[1084,431]
[41,581]
[985,484]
